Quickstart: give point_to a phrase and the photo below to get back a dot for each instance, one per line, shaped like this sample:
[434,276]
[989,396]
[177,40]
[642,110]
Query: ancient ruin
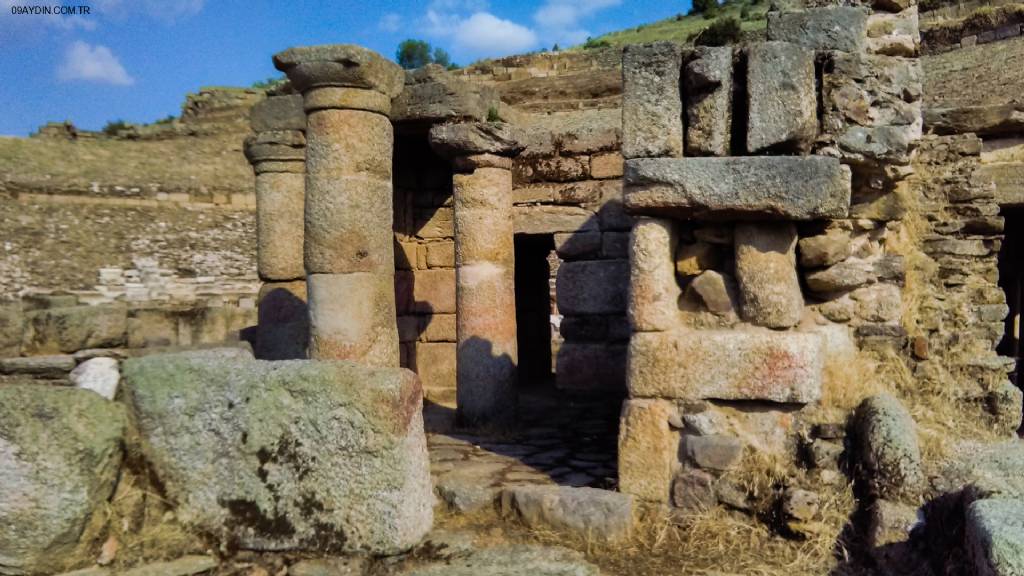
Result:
[770,288]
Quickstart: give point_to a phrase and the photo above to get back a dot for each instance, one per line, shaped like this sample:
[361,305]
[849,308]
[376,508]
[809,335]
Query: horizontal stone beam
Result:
[738,188]
[981,120]
[755,364]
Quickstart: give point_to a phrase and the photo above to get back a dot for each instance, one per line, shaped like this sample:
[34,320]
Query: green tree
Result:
[555,48]
[413,54]
[721,32]
[441,57]
[708,8]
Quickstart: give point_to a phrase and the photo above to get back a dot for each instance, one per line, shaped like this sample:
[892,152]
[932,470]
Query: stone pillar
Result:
[485,298]
[348,255]
[277,153]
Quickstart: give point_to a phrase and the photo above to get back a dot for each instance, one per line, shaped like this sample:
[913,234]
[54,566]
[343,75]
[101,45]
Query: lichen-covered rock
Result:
[782,100]
[74,328]
[888,448]
[825,28]
[708,81]
[284,455]
[652,108]
[1004,403]
[995,537]
[60,449]
[738,188]
[432,94]
[278,113]
[469,138]
[585,512]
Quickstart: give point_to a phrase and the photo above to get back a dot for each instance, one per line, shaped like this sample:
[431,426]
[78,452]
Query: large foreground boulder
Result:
[296,454]
[995,537]
[60,449]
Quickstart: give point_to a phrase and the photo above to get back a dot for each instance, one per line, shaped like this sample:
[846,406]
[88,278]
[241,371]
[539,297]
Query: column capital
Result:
[276,146]
[477,138]
[341,65]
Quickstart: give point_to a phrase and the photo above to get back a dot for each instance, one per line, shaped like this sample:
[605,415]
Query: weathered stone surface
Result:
[713,451]
[782,100]
[276,145]
[755,364]
[825,249]
[99,375]
[648,449]
[352,317]
[553,219]
[995,537]
[584,512]
[432,94]
[985,470]
[693,491]
[981,120]
[467,138]
[10,329]
[283,112]
[328,455]
[470,487]
[826,28]
[60,449]
[280,205]
[1005,403]
[766,273]
[349,566]
[607,165]
[738,188]
[434,362]
[184,566]
[718,292]
[855,272]
[888,450]
[652,123]
[511,560]
[653,291]
[894,34]
[593,287]
[55,366]
[340,65]
[708,81]
[692,258]
[890,522]
[75,328]
[571,246]
[434,291]
[1008,178]
[585,367]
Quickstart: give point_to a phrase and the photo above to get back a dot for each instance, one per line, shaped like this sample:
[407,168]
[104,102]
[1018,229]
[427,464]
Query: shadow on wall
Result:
[283,329]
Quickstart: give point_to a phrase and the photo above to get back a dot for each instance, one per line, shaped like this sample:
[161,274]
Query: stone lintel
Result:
[825,28]
[981,120]
[283,112]
[344,65]
[748,364]
[434,95]
[738,188]
[473,138]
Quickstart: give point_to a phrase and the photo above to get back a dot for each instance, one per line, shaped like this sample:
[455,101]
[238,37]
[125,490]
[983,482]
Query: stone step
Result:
[738,188]
[753,364]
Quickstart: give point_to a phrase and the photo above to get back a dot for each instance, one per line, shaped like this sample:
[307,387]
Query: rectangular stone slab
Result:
[738,188]
[755,364]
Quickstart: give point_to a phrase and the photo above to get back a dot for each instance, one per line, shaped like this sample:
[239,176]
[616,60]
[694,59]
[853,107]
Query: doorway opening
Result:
[1011,280]
[535,309]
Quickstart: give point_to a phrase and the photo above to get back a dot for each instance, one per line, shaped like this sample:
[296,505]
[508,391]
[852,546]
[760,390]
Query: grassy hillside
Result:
[682,28]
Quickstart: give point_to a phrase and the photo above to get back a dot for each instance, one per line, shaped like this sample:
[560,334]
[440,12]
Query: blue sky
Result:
[136,59]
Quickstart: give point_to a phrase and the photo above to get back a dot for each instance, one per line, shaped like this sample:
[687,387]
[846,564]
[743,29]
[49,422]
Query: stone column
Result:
[277,153]
[349,259]
[487,356]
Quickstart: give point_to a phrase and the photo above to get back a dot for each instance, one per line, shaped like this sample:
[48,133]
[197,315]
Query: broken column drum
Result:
[487,355]
[278,157]
[348,256]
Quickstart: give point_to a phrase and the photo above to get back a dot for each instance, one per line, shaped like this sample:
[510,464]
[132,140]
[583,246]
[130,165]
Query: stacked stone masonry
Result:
[771,183]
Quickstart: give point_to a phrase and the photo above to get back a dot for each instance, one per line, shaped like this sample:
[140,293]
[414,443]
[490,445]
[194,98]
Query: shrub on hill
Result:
[721,32]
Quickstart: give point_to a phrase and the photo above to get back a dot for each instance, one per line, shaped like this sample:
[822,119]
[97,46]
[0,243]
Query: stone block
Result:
[553,219]
[405,255]
[438,328]
[653,291]
[432,94]
[652,119]
[60,451]
[408,329]
[693,491]
[151,327]
[99,375]
[855,272]
[11,325]
[283,323]
[434,362]
[825,249]
[434,291]
[708,81]
[593,287]
[469,138]
[575,245]
[615,245]
[888,453]
[590,367]
[552,169]
[713,452]
[769,286]
[648,449]
[738,188]
[328,456]
[55,366]
[608,165]
[588,513]
[76,328]
[441,255]
[284,112]
[1009,181]
[352,317]
[826,28]
[994,537]
[280,205]
[345,65]
[438,223]
[753,364]
[718,292]
[611,213]
[781,95]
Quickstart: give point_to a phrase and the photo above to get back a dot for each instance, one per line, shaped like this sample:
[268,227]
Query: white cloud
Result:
[487,34]
[561,20]
[390,22]
[89,63]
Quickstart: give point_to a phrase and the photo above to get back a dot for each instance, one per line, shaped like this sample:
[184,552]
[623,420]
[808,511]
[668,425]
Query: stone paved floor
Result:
[558,440]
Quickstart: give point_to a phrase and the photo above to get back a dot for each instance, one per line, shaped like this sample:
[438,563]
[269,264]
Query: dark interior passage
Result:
[1011,279]
[533,308]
